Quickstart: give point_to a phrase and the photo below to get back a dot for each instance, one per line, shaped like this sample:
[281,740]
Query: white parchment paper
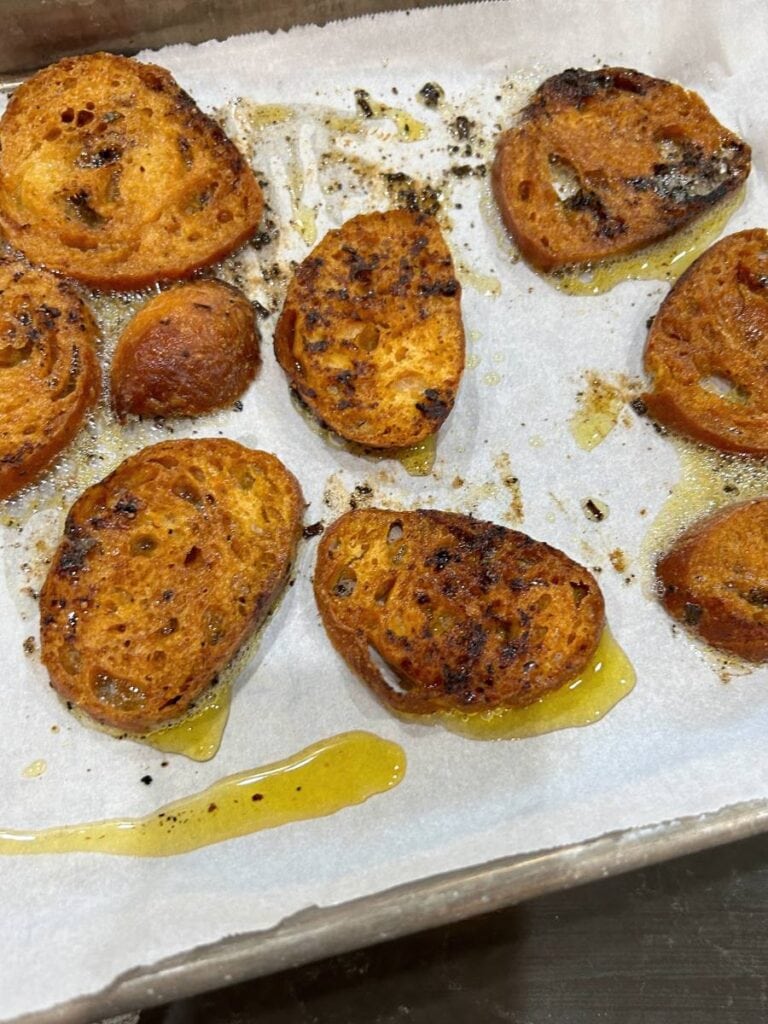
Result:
[682,743]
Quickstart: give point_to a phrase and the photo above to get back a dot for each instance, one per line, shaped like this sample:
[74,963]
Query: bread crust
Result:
[714,579]
[467,614]
[165,569]
[602,163]
[49,371]
[188,350]
[707,348]
[111,174]
[370,334]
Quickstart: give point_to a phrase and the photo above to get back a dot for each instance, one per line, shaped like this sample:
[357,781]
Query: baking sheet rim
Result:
[320,932]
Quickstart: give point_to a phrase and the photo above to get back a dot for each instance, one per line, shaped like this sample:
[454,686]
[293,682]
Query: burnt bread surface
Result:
[467,615]
[707,348]
[165,569]
[111,174]
[370,334]
[49,370]
[602,163]
[714,579]
[189,350]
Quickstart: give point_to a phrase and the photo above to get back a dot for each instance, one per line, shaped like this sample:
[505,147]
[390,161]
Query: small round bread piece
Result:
[166,568]
[49,371]
[111,174]
[189,350]
[468,615]
[714,579]
[602,163]
[707,348]
[371,335]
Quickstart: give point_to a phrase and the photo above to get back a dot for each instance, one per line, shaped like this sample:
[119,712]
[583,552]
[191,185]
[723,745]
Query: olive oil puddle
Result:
[416,460]
[600,404]
[664,261]
[606,679]
[318,781]
[709,479]
[197,735]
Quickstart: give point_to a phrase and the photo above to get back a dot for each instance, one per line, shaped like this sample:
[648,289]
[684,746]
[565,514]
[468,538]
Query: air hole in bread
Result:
[345,583]
[170,627]
[84,117]
[68,115]
[395,532]
[188,492]
[385,670]
[716,384]
[524,191]
[565,181]
[70,660]
[143,545]
[119,693]
[192,556]
[579,591]
[368,338]
[384,590]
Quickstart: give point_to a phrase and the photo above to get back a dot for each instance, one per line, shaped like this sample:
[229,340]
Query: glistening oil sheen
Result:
[322,779]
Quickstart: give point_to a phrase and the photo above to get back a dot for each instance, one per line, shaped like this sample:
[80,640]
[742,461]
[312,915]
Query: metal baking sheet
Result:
[68,27]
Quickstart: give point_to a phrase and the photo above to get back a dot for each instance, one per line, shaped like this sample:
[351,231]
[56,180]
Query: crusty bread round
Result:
[188,350]
[707,348]
[714,579]
[370,334]
[111,174]
[49,372]
[605,162]
[165,569]
[468,615]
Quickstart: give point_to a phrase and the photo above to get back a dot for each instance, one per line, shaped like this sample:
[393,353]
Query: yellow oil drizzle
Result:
[598,410]
[263,115]
[306,223]
[485,284]
[326,777]
[664,261]
[709,480]
[197,735]
[419,459]
[35,769]
[607,679]
[408,128]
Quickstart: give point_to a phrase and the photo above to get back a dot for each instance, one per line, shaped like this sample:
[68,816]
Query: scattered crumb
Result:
[594,509]
[313,530]
[618,560]
[457,482]
[29,645]
[515,512]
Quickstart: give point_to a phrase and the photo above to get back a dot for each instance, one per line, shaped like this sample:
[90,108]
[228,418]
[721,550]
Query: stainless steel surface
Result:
[321,932]
[34,34]
[683,942]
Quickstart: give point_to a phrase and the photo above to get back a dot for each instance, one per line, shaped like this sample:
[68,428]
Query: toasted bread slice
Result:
[714,579]
[110,173]
[468,615]
[49,371]
[371,335]
[165,569]
[605,162]
[707,348]
[189,350]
